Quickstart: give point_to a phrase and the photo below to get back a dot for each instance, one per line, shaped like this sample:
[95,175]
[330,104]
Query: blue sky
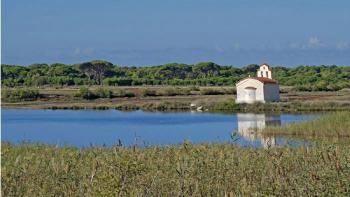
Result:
[152,32]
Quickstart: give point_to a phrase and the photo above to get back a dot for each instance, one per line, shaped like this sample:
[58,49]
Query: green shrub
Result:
[21,94]
[103,93]
[85,93]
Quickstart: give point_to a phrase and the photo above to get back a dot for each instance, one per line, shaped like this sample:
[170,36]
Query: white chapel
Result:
[258,89]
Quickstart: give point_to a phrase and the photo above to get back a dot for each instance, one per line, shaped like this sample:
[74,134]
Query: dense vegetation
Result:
[181,170]
[306,78]
[330,125]
[20,94]
[86,93]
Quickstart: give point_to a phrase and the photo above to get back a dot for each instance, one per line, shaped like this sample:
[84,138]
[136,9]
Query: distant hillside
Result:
[305,78]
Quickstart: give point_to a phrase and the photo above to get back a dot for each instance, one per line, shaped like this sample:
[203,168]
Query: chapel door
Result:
[250,94]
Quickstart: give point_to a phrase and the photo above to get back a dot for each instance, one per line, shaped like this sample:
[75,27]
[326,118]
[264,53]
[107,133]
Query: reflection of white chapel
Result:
[250,127]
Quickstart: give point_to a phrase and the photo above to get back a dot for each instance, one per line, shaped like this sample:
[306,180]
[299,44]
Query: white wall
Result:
[249,83]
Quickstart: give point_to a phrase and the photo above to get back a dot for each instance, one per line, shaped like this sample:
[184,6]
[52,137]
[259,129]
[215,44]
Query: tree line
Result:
[97,72]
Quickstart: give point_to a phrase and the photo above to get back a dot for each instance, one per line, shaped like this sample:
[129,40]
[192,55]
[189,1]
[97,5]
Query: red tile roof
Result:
[264,79]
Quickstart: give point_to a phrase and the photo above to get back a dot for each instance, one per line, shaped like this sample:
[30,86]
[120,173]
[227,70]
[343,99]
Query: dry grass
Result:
[181,170]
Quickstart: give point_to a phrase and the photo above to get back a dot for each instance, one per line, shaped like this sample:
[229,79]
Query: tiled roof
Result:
[263,79]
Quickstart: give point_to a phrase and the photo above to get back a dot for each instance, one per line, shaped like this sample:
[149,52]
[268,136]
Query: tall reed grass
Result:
[335,124]
[180,170]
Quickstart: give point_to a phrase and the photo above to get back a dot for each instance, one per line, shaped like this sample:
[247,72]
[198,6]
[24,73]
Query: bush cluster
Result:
[88,94]
[20,94]
[103,93]
[85,93]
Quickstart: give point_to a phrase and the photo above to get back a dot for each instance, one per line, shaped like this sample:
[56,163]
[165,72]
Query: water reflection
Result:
[250,127]
[85,127]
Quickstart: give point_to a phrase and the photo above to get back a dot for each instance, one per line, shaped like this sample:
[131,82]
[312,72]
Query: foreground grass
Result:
[182,170]
[331,125]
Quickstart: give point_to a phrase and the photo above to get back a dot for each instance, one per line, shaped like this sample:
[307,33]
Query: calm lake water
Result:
[84,128]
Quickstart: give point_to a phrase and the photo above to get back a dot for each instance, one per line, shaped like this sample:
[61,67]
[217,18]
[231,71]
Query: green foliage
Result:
[251,68]
[180,170]
[103,93]
[96,69]
[305,78]
[20,94]
[116,81]
[85,93]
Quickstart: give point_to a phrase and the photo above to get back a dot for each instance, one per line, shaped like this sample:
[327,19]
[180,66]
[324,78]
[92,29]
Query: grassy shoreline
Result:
[330,125]
[180,170]
[227,105]
[167,98]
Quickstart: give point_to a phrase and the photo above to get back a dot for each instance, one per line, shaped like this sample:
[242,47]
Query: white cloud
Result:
[237,46]
[76,51]
[294,45]
[343,45]
[219,49]
[314,42]
[80,52]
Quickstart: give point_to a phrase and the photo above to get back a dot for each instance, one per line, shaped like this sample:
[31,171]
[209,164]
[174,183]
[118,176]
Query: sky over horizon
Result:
[153,32]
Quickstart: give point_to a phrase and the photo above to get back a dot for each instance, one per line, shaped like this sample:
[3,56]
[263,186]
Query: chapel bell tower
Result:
[264,71]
